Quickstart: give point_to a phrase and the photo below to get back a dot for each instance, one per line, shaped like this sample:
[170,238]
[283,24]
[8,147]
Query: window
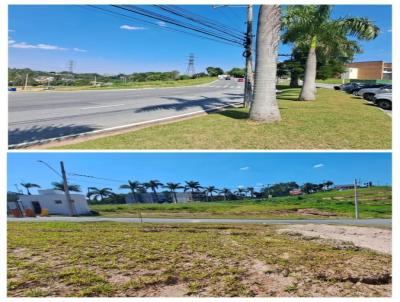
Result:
[58,201]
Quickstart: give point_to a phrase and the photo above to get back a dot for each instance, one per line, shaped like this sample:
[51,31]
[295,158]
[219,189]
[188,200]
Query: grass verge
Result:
[133,85]
[334,121]
[374,202]
[121,259]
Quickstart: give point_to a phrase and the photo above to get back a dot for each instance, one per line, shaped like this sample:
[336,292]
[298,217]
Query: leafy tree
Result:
[237,72]
[280,189]
[29,185]
[214,71]
[60,186]
[311,26]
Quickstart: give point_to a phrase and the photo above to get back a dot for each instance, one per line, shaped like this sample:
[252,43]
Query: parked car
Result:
[350,87]
[383,100]
[240,80]
[367,86]
[364,86]
[227,78]
[369,93]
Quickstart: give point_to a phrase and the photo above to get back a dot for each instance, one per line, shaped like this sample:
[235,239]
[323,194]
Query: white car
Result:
[383,100]
[368,93]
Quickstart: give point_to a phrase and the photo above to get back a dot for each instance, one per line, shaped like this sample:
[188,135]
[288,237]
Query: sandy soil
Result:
[376,239]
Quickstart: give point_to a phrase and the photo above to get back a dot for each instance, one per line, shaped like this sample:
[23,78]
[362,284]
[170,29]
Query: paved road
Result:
[362,222]
[49,114]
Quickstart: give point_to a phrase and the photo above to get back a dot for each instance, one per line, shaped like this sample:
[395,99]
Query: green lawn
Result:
[62,259]
[334,121]
[375,202]
[332,81]
[147,84]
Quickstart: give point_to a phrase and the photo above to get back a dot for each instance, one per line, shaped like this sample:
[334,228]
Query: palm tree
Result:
[312,26]
[102,193]
[210,190]
[28,185]
[251,191]
[172,188]
[60,186]
[134,186]
[225,192]
[153,185]
[264,107]
[240,191]
[192,186]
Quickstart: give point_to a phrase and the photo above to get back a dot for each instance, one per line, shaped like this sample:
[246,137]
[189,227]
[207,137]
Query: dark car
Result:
[355,90]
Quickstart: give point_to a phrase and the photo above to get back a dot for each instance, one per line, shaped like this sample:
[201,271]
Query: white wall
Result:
[47,200]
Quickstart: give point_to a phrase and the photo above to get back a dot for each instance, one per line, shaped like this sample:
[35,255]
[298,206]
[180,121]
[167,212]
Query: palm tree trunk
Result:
[294,80]
[265,107]
[176,198]
[308,89]
[155,195]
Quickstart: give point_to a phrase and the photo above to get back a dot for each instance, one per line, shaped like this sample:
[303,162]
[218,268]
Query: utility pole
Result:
[72,211]
[26,81]
[356,199]
[248,53]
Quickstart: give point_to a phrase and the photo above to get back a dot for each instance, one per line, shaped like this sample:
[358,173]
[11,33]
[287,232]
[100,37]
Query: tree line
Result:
[17,77]
[202,193]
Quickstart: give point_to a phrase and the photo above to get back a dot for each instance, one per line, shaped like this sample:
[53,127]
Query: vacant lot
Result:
[126,259]
[334,121]
[374,202]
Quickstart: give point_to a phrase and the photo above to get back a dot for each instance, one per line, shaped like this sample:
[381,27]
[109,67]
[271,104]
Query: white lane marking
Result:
[106,106]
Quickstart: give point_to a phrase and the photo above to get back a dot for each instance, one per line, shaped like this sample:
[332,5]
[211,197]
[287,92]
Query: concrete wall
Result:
[55,202]
[182,197]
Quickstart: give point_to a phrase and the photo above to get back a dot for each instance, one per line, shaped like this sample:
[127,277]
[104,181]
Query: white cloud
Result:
[79,50]
[317,166]
[161,23]
[24,45]
[259,184]
[244,168]
[128,27]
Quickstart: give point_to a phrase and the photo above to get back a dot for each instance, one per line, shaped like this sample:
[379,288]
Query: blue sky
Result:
[45,37]
[220,169]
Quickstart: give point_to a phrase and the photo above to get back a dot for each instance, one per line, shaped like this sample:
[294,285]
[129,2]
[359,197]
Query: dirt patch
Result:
[305,212]
[376,239]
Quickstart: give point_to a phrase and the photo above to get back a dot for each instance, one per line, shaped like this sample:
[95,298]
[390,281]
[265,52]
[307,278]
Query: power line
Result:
[197,20]
[118,14]
[101,178]
[149,14]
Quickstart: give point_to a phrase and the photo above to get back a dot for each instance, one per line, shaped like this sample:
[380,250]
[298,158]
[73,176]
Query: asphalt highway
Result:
[37,116]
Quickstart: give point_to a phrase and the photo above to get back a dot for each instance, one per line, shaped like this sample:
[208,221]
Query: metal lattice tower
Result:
[70,66]
[190,67]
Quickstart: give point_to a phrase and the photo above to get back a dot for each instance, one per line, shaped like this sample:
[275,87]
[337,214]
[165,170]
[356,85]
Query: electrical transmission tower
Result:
[70,66]
[190,67]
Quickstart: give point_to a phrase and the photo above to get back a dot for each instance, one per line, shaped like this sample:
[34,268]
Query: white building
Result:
[55,202]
